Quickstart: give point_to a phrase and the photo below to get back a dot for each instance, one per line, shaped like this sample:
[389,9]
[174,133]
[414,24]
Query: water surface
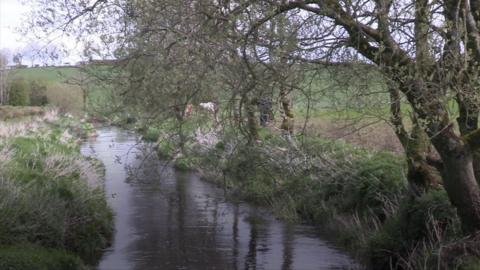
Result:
[165,219]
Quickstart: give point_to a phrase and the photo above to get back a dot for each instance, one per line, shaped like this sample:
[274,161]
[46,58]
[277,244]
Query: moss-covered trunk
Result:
[180,116]
[461,186]
[423,169]
[252,123]
[422,172]
[467,123]
[288,117]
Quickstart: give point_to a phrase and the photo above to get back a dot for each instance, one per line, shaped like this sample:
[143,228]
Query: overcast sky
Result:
[10,18]
[12,12]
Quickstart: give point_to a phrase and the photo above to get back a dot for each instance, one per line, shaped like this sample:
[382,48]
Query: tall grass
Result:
[51,196]
[22,126]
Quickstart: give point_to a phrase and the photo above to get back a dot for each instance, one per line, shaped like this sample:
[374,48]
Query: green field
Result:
[47,74]
[63,88]
[350,103]
[329,96]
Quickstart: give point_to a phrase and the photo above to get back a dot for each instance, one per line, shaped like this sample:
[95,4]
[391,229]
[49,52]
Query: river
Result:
[166,219]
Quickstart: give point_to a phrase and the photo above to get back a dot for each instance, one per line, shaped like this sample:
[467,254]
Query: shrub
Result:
[38,93]
[44,199]
[166,147]
[19,94]
[29,257]
[151,134]
[428,219]
[377,179]
[68,98]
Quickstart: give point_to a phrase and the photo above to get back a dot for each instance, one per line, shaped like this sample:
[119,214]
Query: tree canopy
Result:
[173,52]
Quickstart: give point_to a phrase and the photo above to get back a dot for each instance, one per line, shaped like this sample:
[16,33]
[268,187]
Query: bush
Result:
[45,200]
[38,93]
[68,98]
[28,257]
[376,180]
[429,219]
[166,148]
[19,93]
[151,134]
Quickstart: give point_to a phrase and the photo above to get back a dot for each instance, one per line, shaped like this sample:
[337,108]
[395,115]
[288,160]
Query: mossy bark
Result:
[252,123]
[422,175]
[423,169]
[180,116]
[288,122]
[468,123]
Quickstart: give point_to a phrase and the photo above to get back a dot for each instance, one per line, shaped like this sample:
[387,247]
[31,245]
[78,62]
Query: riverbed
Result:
[166,219]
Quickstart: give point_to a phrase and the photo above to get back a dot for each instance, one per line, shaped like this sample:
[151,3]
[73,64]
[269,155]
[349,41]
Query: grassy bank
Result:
[53,212]
[14,113]
[358,195]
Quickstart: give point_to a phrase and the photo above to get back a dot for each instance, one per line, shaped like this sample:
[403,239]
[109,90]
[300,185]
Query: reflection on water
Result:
[165,219]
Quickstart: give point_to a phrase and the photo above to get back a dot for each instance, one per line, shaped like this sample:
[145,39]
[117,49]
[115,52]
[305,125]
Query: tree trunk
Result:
[85,98]
[468,122]
[265,110]
[180,116]
[421,175]
[3,82]
[463,190]
[459,178]
[458,175]
[288,117]
[252,122]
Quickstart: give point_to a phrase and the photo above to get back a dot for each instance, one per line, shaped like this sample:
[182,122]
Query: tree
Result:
[17,59]
[428,51]
[3,80]
[38,93]
[19,94]
[418,45]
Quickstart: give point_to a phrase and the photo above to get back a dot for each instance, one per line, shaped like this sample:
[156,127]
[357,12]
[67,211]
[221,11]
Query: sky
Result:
[12,12]
[10,18]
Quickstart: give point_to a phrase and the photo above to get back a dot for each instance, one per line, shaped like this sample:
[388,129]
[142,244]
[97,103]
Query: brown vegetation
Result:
[15,112]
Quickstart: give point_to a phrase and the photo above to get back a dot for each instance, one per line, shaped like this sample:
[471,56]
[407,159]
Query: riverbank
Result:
[170,219]
[358,195]
[53,211]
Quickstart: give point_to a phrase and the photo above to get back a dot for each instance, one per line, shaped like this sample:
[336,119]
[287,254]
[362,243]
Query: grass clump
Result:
[52,197]
[29,257]
[412,239]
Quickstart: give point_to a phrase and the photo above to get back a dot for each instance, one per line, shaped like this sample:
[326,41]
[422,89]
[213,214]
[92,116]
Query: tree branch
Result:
[83,12]
[472,29]
[396,117]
